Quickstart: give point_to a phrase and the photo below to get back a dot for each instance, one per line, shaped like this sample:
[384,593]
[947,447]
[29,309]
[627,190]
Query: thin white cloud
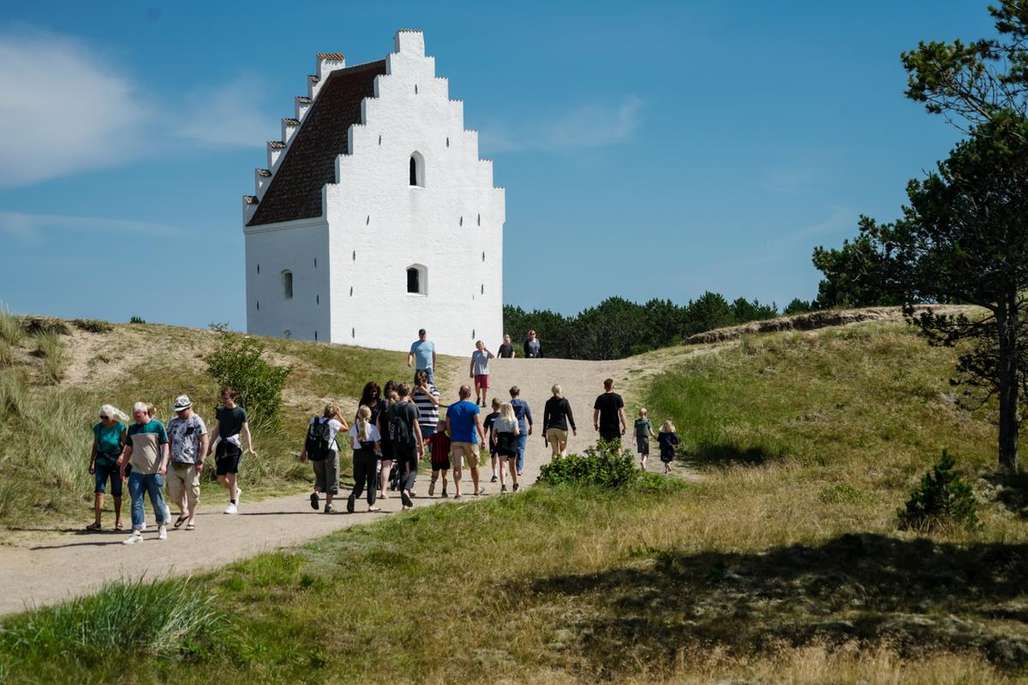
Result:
[229,115]
[589,125]
[63,109]
[27,225]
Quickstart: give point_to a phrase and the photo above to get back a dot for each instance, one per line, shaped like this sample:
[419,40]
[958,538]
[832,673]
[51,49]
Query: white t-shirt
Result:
[373,435]
[334,426]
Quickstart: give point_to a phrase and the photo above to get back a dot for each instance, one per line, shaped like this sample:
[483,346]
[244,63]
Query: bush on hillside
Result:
[943,498]
[238,361]
[136,319]
[93,325]
[605,465]
[44,325]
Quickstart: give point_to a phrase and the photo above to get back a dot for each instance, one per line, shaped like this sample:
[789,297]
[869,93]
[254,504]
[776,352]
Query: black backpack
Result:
[319,439]
[399,424]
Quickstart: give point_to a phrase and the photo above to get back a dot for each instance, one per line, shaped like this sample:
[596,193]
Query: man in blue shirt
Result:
[524,415]
[464,424]
[422,357]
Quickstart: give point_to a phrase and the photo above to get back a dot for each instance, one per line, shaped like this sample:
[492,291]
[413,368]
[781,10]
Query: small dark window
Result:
[258,305]
[351,291]
[315,262]
[417,170]
[447,141]
[413,280]
[317,299]
[483,256]
[380,140]
[353,332]
[287,284]
[472,333]
[460,222]
[258,268]
[315,335]
[481,289]
[415,89]
[355,255]
[413,171]
[479,219]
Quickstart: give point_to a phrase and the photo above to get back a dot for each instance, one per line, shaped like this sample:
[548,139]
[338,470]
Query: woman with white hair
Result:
[557,417]
[108,441]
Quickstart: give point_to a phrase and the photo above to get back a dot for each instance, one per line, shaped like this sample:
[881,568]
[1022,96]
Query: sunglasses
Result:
[104,418]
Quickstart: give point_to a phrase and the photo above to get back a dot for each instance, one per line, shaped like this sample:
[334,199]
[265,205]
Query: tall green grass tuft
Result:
[158,619]
[50,348]
[11,331]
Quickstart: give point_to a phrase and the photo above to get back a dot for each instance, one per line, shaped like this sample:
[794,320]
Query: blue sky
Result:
[647,149]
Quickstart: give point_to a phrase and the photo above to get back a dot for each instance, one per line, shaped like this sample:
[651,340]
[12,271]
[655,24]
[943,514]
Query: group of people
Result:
[394,428]
[147,455]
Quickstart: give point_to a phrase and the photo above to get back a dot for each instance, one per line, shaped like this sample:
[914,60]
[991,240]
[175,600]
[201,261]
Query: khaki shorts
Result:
[556,437]
[469,450]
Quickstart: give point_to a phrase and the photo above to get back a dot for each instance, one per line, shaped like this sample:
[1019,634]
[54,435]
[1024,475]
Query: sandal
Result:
[190,526]
[179,521]
[94,527]
[118,526]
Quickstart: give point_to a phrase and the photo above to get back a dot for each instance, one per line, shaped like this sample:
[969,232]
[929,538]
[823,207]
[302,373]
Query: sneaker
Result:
[329,509]
[162,532]
[503,488]
[315,502]
[372,509]
[405,498]
[493,479]
[431,489]
[136,536]
[231,508]
[350,502]
[517,486]
[239,494]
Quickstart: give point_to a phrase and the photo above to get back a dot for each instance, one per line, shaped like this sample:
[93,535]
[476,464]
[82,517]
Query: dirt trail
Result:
[55,567]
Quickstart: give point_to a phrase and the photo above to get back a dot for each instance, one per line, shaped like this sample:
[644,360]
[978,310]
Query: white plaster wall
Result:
[446,226]
[293,246]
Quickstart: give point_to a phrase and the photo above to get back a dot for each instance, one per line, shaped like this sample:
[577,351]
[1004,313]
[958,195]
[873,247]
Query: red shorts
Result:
[482,381]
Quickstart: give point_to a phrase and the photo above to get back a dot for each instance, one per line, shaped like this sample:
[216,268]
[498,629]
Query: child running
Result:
[487,425]
[668,440]
[505,438]
[365,440]
[643,433]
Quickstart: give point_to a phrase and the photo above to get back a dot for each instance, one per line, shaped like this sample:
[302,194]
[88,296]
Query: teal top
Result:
[109,439]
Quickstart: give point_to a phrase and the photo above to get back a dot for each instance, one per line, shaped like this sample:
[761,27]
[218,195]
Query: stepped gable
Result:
[310,161]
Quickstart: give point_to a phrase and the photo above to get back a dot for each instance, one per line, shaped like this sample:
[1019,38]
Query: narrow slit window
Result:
[417,170]
[287,284]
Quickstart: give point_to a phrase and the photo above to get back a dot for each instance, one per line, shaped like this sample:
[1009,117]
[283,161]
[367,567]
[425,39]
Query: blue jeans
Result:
[139,485]
[429,371]
[522,444]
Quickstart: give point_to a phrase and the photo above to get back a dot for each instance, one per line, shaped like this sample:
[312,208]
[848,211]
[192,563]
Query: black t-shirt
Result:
[506,351]
[230,421]
[609,403]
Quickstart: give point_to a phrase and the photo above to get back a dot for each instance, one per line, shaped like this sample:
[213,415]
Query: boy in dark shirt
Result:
[488,426]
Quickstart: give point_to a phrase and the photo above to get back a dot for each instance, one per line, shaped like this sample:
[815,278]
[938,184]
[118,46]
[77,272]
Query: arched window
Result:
[287,284]
[417,170]
[417,280]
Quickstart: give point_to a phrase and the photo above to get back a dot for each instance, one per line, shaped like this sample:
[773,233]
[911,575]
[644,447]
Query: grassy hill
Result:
[54,375]
[780,562]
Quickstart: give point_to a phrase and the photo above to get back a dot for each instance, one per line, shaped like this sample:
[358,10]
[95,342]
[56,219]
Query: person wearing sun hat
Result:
[188,438]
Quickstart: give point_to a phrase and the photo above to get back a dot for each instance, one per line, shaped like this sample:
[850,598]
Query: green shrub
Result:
[136,319]
[11,331]
[238,362]
[168,618]
[12,394]
[605,465]
[942,499]
[93,325]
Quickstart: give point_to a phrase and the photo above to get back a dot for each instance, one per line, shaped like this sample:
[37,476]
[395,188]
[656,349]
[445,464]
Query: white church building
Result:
[375,216]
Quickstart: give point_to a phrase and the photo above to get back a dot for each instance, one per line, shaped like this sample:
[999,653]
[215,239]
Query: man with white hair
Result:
[187,438]
[146,449]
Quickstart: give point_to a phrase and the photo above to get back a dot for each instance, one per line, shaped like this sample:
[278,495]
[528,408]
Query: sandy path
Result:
[58,566]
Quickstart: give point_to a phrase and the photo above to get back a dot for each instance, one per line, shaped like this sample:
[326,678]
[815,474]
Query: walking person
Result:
[506,349]
[479,371]
[230,430]
[487,425]
[146,449]
[505,436]
[643,433]
[422,356]
[405,436]
[187,443]
[533,346]
[464,424]
[668,441]
[322,450]
[524,414]
[439,451]
[108,442]
[366,443]
[557,418]
[609,415]
[426,398]
[385,464]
